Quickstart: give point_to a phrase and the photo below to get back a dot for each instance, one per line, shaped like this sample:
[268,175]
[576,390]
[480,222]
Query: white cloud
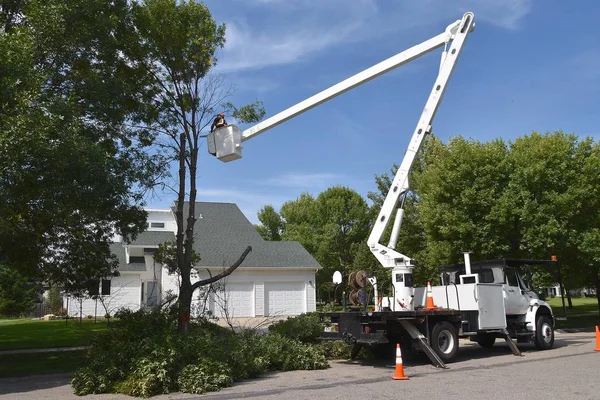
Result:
[292,30]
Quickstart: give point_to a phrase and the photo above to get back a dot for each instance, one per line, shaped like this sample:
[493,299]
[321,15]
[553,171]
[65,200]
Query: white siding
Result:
[259,299]
[164,216]
[124,292]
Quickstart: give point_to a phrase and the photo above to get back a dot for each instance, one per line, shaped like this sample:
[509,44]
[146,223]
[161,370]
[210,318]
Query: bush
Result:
[143,355]
[305,328]
[206,376]
[336,350]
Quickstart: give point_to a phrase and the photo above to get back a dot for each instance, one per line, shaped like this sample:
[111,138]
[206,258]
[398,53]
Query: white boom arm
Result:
[225,143]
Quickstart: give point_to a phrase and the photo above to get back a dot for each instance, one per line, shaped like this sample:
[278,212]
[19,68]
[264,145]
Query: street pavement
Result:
[571,369]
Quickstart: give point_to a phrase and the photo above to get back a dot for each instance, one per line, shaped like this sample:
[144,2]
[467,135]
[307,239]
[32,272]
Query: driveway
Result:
[570,369]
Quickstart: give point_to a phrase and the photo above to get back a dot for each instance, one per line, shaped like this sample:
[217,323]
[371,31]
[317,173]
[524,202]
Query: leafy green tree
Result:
[332,227]
[271,225]
[532,198]
[458,192]
[552,200]
[54,301]
[72,173]
[177,43]
[17,293]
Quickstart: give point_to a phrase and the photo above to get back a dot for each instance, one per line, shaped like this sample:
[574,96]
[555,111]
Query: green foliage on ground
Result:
[305,328]
[143,355]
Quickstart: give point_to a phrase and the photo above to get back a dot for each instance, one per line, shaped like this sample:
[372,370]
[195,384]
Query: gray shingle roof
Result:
[222,233]
[153,238]
[119,251]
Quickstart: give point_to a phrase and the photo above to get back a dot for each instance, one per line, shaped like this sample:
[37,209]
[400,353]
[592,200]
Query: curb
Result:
[575,330]
[48,350]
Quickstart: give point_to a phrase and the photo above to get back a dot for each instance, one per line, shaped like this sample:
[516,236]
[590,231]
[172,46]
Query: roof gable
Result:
[222,233]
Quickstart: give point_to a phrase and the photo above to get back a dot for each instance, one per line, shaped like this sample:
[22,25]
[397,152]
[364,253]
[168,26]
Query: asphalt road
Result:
[570,370]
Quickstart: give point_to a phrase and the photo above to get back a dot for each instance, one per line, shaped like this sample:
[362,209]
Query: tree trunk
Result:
[569,300]
[184,304]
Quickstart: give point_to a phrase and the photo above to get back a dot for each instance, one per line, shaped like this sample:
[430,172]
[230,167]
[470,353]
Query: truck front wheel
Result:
[544,333]
[444,340]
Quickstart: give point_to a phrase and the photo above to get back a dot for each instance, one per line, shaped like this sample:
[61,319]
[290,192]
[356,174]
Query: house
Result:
[275,279]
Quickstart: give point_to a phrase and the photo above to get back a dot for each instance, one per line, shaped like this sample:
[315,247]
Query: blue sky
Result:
[528,66]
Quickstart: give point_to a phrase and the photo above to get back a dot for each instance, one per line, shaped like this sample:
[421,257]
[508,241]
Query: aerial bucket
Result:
[226,143]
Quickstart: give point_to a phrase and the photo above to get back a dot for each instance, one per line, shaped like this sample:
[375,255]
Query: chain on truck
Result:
[480,300]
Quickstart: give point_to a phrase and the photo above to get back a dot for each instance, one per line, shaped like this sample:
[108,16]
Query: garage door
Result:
[285,298]
[237,300]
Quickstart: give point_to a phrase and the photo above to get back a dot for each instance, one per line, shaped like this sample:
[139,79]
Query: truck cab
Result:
[528,318]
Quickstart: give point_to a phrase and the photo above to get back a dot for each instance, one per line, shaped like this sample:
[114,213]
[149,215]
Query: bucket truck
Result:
[468,305]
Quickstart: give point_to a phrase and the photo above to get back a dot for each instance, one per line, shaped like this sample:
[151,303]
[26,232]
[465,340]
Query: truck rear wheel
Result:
[544,333]
[444,340]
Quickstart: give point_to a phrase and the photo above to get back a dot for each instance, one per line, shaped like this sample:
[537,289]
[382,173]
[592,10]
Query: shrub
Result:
[151,375]
[336,350]
[206,376]
[142,355]
[305,327]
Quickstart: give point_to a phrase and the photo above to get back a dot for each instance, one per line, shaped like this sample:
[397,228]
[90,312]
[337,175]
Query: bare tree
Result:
[179,42]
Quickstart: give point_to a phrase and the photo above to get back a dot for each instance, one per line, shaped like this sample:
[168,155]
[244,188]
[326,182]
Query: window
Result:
[105,287]
[93,288]
[157,224]
[486,276]
[511,277]
[408,280]
[136,259]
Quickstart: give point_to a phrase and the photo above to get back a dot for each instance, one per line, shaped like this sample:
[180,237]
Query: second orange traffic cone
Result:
[597,339]
[399,374]
[429,305]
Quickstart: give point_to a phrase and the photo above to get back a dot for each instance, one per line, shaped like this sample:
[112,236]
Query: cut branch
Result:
[225,273]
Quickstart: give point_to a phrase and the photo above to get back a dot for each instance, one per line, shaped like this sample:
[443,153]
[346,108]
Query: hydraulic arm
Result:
[225,143]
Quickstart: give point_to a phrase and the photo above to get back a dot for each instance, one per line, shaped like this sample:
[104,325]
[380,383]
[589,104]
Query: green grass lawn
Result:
[581,305]
[34,334]
[584,313]
[12,365]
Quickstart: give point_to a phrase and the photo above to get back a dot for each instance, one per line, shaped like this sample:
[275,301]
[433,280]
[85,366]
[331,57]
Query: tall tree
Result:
[553,197]
[271,225]
[177,45]
[532,198]
[71,173]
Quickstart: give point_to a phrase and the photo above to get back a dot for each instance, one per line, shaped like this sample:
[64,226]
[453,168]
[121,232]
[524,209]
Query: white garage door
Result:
[237,300]
[285,298]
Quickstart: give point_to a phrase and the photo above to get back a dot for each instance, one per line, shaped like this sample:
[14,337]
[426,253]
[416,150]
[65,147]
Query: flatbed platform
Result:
[394,314]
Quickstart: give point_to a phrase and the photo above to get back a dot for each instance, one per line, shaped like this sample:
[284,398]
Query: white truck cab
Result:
[487,289]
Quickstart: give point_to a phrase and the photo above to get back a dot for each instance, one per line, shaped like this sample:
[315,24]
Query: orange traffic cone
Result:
[429,304]
[597,339]
[399,375]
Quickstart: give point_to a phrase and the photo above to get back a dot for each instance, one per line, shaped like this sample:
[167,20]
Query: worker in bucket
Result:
[219,122]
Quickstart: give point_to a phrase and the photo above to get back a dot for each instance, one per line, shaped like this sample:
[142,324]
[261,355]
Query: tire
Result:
[544,333]
[486,340]
[444,340]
